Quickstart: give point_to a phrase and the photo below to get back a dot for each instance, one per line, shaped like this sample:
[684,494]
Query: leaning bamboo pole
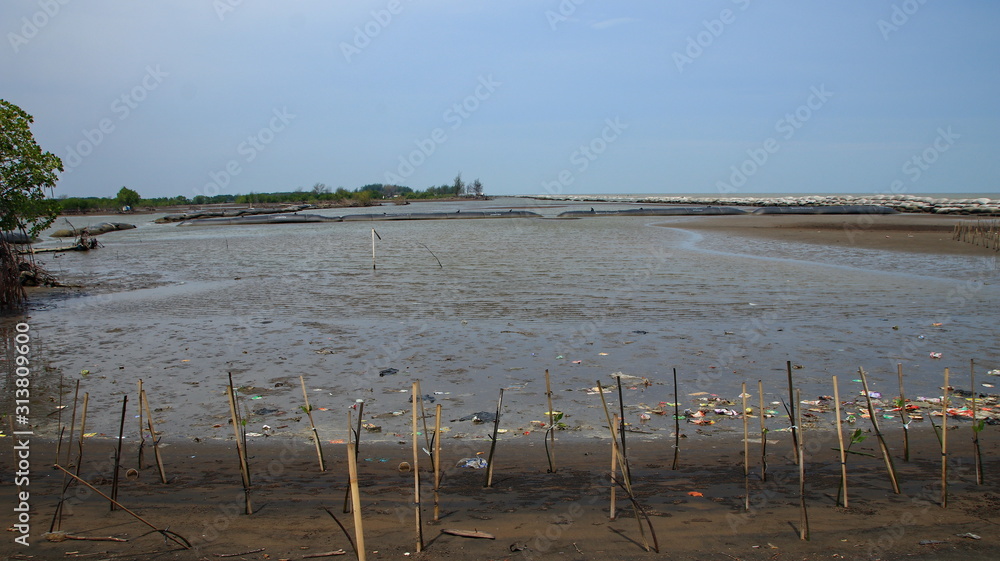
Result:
[142,431]
[118,454]
[614,469]
[312,425]
[804,524]
[944,443]
[977,424]
[878,434]
[416,469]
[791,411]
[763,433]
[240,450]
[677,425]
[152,436]
[437,461]
[352,468]
[746,450]
[903,414]
[83,431]
[840,439]
[552,424]
[493,444]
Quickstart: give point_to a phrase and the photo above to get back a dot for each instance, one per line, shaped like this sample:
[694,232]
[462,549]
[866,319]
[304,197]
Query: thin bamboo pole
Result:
[791,411]
[613,513]
[977,424]
[152,436]
[437,461]
[886,456]
[312,425]
[621,427]
[83,431]
[944,443]
[677,425]
[493,445]
[763,432]
[416,470]
[142,431]
[72,425]
[804,524]
[903,415]
[840,439]
[552,424]
[746,449]
[244,468]
[118,454]
[352,467]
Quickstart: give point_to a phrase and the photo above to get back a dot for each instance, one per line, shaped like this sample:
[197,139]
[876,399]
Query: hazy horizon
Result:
[729,97]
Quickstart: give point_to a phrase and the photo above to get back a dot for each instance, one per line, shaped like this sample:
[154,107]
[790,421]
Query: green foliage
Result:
[978,426]
[127,198]
[857,437]
[25,172]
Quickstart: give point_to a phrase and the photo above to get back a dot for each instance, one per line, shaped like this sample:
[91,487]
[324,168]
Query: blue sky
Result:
[532,97]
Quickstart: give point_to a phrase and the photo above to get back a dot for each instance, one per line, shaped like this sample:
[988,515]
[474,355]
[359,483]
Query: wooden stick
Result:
[840,438]
[626,478]
[437,460]
[763,433]
[614,468]
[746,450]
[244,468]
[677,425]
[60,417]
[352,467]
[552,425]
[977,425]
[944,443]
[72,425]
[416,469]
[176,538]
[373,247]
[493,445]
[621,430]
[83,431]
[878,434]
[118,453]
[312,425]
[152,436]
[804,523]
[791,411]
[142,430]
[903,414]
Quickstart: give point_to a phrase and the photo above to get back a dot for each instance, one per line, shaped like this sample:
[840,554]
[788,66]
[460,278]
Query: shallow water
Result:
[179,307]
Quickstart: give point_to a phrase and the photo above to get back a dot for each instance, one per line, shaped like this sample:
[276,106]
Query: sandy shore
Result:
[921,233]
[697,511]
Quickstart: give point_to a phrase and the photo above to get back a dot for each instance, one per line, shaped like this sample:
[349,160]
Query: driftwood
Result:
[258,550]
[469,534]
[63,536]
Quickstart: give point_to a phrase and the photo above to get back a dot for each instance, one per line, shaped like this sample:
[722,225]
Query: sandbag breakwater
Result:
[902,203]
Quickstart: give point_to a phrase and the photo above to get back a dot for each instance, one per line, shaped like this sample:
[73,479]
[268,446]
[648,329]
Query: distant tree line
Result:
[319,194]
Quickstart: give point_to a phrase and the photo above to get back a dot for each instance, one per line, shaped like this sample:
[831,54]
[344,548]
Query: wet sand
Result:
[697,511]
[921,233]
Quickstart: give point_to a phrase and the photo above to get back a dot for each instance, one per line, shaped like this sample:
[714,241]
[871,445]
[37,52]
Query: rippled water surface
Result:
[472,306]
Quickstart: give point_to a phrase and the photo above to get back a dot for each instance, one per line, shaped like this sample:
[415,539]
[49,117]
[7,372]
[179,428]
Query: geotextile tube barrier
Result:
[300,218]
[260,219]
[660,211]
[832,209]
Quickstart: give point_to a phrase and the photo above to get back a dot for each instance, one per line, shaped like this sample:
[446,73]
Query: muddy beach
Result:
[722,299]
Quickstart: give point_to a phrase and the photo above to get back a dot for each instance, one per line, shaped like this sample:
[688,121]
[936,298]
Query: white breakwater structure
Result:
[902,203]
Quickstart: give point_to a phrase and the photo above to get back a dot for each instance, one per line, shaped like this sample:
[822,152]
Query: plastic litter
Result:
[474,463]
[935,355]
[969,535]
[388,372]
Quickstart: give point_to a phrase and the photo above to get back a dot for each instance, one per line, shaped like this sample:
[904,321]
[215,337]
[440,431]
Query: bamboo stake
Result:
[83,431]
[614,468]
[804,523]
[118,453]
[493,445]
[944,443]
[374,235]
[677,425]
[312,425]
[977,425]
[763,433]
[621,429]
[746,449]
[176,538]
[626,478]
[244,468]
[903,414]
[60,418]
[357,451]
[840,439]
[437,460]
[416,470]
[72,426]
[152,436]
[791,411]
[878,434]
[352,469]
[142,431]
[552,425]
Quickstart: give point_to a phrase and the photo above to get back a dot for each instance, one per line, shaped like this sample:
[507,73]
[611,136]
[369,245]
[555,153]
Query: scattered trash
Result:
[935,355]
[84,372]
[695,494]
[264,411]
[474,463]
[371,427]
[640,332]
[994,372]
[875,395]
[388,372]
[426,397]
[929,542]
[404,467]
[480,417]
[969,535]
